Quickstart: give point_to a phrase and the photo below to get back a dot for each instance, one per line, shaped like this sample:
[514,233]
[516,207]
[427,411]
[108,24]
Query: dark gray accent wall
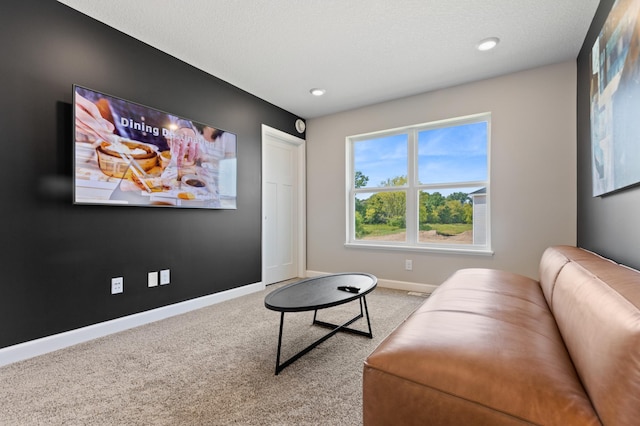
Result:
[609,224]
[59,258]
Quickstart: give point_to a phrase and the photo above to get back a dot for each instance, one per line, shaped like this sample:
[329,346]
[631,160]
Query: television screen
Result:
[129,154]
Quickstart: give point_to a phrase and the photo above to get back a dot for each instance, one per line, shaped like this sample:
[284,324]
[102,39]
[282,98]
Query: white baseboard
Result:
[48,344]
[396,285]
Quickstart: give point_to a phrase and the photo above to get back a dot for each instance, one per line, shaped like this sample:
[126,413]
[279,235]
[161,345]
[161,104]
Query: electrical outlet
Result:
[117,285]
[152,280]
[165,278]
[408,264]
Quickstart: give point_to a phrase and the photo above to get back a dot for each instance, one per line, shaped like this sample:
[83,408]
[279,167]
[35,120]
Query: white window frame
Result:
[413,188]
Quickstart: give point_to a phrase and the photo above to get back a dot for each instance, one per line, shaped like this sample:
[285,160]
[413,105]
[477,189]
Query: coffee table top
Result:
[319,292]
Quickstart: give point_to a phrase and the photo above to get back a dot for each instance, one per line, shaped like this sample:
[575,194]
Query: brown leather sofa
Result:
[490,347]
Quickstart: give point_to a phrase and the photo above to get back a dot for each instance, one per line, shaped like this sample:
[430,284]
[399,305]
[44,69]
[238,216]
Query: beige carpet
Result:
[213,366]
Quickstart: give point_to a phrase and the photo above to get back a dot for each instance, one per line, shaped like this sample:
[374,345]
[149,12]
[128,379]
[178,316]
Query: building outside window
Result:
[422,187]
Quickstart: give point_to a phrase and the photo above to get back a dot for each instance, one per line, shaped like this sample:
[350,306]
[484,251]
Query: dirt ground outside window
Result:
[465,237]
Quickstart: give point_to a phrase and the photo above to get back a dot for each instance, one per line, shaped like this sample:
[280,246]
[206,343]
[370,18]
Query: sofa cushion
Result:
[483,349]
[556,257]
[596,306]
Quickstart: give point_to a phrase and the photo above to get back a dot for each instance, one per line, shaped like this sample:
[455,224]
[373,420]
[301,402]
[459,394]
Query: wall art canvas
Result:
[130,154]
[615,100]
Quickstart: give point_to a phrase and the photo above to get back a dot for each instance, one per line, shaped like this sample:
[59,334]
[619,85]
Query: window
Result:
[421,187]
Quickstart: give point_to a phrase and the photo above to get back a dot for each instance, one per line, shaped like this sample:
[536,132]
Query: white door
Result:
[282,206]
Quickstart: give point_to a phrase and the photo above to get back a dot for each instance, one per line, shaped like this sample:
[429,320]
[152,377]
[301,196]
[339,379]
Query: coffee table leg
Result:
[279,344]
[364,299]
[335,328]
[364,312]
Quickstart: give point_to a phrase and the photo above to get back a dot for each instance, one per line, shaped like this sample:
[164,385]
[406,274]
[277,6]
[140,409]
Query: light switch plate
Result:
[152,279]
[165,278]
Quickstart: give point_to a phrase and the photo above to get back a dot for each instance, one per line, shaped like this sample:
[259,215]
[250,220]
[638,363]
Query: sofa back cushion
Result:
[552,261]
[596,304]
[556,257]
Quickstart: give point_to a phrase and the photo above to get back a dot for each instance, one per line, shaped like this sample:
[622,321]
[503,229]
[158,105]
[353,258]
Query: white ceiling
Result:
[361,51]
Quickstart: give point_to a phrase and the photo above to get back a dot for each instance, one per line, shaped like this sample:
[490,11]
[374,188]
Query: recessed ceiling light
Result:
[488,43]
[317,92]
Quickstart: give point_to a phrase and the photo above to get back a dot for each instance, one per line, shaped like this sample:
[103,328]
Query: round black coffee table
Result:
[317,293]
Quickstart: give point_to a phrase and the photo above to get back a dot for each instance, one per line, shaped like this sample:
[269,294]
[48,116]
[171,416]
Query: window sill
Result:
[438,249]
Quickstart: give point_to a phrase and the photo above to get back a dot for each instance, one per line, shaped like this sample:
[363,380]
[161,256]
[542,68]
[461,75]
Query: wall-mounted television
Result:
[130,154]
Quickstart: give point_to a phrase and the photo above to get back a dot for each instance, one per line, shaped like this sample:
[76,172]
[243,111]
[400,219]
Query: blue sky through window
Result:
[453,154]
[382,158]
[445,155]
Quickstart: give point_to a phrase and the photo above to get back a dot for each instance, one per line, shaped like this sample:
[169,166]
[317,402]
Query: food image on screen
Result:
[129,154]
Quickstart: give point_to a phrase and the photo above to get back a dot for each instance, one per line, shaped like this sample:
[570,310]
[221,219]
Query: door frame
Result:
[300,144]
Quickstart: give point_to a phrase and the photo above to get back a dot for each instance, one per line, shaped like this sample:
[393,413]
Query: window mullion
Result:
[411,195]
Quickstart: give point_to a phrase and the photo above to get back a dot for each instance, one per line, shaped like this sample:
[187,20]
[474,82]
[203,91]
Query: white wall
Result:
[533,174]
